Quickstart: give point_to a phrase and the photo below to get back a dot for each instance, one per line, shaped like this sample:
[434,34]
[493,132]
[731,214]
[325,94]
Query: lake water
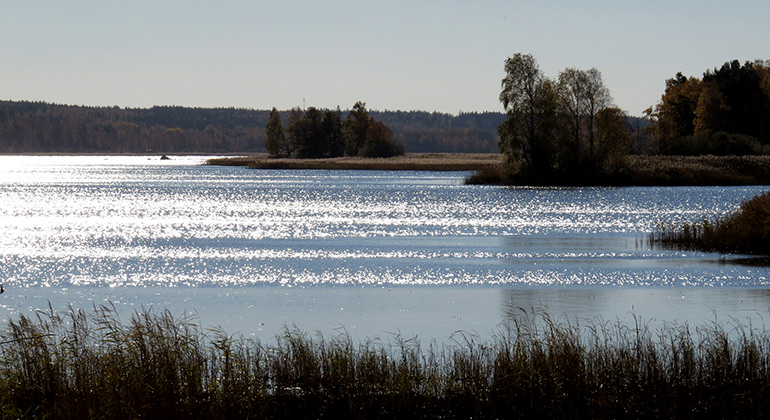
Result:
[374,253]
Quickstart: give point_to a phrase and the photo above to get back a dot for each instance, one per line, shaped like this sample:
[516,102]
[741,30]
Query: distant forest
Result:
[39,127]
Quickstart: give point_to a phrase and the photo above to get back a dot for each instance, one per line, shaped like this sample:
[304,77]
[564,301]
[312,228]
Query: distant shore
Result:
[408,162]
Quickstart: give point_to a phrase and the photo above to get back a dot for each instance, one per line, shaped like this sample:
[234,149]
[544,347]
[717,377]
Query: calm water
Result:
[375,253]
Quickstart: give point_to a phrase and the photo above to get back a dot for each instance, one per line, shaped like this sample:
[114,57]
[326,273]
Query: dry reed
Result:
[408,162]
[92,365]
[746,231]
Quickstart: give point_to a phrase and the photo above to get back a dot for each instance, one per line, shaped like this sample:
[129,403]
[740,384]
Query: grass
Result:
[746,231]
[92,365]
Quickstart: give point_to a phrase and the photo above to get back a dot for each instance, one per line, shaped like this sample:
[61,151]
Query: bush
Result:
[379,142]
[381,149]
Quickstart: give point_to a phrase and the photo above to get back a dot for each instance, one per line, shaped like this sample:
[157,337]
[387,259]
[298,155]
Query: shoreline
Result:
[650,171]
[408,162]
[489,168]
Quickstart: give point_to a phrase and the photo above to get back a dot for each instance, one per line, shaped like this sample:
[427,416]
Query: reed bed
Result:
[746,231]
[644,170]
[697,170]
[408,162]
[80,365]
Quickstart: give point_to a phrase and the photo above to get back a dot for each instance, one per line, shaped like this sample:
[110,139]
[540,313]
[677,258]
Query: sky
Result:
[444,56]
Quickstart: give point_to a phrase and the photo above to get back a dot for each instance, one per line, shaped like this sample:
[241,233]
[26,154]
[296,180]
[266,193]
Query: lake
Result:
[372,253]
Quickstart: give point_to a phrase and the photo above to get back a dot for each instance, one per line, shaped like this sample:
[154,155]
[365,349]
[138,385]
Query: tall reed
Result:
[745,231]
[93,365]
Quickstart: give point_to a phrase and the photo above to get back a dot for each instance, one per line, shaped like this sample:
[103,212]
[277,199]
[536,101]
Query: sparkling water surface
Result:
[371,252]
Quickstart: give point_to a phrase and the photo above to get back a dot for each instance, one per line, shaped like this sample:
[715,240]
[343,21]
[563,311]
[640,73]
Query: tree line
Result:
[40,127]
[316,134]
[560,128]
[726,112]
[566,129]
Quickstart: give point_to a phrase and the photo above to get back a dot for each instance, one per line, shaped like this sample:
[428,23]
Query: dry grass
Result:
[408,162]
[648,170]
[92,365]
[697,170]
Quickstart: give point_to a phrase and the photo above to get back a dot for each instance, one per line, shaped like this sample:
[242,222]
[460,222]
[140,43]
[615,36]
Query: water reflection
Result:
[430,313]
[372,251]
[655,306]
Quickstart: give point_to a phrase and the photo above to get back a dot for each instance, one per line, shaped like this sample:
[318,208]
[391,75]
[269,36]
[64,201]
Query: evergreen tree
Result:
[275,142]
[332,131]
[354,128]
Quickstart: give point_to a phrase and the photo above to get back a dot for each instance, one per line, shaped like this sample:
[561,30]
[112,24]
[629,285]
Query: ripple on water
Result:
[131,221]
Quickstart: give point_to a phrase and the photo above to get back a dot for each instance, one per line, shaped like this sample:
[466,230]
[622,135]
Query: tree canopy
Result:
[559,128]
[316,134]
[725,112]
[40,127]
[275,140]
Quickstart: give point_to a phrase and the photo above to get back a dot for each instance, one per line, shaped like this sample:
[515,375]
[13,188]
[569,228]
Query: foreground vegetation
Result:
[92,365]
[746,231]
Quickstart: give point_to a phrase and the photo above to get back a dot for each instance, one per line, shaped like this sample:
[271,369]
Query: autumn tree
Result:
[613,138]
[712,110]
[677,110]
[726,112]
[762,67]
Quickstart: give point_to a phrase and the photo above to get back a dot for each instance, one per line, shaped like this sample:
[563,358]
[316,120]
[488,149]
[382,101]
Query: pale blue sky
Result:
[399,55]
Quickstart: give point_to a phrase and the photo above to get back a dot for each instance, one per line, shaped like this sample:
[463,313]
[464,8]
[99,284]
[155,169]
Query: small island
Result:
[566,131]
